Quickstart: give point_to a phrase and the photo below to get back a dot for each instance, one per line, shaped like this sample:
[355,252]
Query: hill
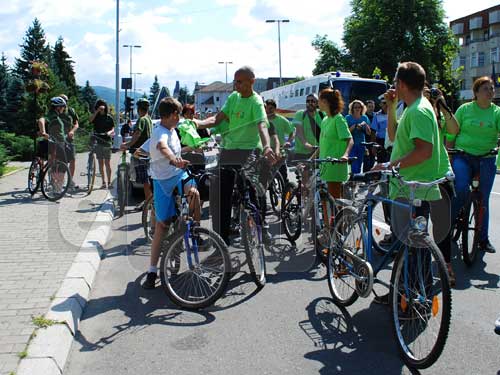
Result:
[109,95]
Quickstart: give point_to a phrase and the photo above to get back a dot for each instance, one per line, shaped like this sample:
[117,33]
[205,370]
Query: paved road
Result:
[38,242]
[289,327]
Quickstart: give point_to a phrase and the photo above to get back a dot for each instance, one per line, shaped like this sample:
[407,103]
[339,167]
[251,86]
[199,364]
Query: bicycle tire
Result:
[276,189]
[291,213]
[254,248]
[52,189]
[34,175]
[339,276]
[470,226]
[322,230]
[122,189]
[91,172]
[147,211]
[176,277]
[428,304]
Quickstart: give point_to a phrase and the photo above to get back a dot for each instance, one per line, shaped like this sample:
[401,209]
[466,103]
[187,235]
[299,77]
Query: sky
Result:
[186,39]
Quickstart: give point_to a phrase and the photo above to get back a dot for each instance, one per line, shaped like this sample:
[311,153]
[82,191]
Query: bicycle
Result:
[470,217]
[195,266]
[277,184]
[122,178]
[420,295]
[52,176]
[92,162]
[310,199]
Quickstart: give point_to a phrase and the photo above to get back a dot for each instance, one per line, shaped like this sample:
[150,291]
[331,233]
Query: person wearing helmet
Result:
[103,123]
[70,120]
[142,132]
[55,128]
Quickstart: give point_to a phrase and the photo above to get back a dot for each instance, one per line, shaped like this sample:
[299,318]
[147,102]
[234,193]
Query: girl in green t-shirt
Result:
[335,140]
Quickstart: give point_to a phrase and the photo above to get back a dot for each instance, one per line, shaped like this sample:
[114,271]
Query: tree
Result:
[34,48]
[62,65]
[185,97]
[88,96]
[17,117]
[154,91]
[4,83]
[331,57]
[379,34]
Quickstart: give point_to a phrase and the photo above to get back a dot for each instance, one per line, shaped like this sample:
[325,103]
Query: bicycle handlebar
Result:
[370,144]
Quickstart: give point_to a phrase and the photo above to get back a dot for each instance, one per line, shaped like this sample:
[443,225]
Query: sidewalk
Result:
[38,243]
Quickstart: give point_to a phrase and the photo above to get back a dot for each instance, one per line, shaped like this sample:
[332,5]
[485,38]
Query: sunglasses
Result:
[311,101]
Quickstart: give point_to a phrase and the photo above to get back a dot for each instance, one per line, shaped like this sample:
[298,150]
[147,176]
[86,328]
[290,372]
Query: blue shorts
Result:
[163,198]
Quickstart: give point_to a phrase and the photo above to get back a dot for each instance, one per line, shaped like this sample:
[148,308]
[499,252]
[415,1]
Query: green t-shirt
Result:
[69,118]
[282,126]
[333,142]
[145,126]
[418,121]
[55,126]
[244,116]
[444,161]
[189,134]
[301,118]
[103,124]
[479,128]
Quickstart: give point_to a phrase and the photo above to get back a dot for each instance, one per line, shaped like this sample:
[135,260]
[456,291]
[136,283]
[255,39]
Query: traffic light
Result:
[129,104]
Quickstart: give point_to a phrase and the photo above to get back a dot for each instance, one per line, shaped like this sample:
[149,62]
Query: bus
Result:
[292,97]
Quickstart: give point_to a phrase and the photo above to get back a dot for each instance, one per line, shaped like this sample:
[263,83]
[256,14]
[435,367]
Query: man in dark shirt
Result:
[103,130]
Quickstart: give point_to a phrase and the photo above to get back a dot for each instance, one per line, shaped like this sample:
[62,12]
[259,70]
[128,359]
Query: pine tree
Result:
[88,96]
[16,117]
[154,91]
[4,83]
[34,48]
[62,65]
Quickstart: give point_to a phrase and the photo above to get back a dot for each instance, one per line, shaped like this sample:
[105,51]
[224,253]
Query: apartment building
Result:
[478,35]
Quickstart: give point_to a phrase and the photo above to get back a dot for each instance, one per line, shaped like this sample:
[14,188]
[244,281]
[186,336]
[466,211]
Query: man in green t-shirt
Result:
[245,134]
[307,128]
[142,132]
[70,120]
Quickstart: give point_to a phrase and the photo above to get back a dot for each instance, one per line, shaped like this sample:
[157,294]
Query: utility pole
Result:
[279,43]
[225,62]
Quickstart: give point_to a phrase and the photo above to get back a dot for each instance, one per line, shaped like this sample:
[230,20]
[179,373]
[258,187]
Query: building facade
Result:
[210,98]
[478,35]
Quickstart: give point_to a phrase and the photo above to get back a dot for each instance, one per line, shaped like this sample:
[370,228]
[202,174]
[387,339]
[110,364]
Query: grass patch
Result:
[10,168]
[23,354]
[42,322]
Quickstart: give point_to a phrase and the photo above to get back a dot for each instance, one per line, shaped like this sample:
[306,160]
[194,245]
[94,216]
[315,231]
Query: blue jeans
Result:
[465,168]
[357,151]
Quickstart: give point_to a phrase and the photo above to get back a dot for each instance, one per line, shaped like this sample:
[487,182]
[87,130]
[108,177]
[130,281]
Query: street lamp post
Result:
[135,78]
[131,46]
[225,62]
[279,43]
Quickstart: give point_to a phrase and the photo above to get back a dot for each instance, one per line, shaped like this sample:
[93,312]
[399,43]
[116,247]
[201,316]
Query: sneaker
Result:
[487,247]
[149,283]
[382,300]
[497,326]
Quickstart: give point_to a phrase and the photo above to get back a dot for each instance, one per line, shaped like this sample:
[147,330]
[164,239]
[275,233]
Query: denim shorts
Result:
[163,195]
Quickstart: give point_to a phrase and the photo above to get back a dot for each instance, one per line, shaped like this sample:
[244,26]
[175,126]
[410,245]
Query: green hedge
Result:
[17,147]
[3,159]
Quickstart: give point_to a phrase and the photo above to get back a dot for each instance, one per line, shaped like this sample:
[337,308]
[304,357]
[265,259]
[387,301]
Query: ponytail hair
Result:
[334,99]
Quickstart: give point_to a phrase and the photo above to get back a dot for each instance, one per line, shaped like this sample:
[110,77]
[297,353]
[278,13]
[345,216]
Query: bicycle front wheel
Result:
[251,236]
[349,234]
[291,215]
[122,189]
[91,171]
[421,303]
[276,193]
[34,175]
[470,231]
[56,180]
[194,273]
[323,217]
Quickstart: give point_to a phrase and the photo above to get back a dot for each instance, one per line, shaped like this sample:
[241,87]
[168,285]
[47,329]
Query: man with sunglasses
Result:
[307,126]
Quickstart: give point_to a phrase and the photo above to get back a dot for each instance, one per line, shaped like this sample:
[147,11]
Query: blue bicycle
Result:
[420,296]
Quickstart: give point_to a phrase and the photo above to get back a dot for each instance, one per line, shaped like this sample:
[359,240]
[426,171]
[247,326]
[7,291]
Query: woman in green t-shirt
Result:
[479,129]
[335,140]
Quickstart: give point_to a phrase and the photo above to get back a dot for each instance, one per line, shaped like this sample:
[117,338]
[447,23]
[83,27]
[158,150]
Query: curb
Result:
[48,351]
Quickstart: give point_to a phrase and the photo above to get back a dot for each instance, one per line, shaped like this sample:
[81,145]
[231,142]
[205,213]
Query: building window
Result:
[291,94]
[494,54]
[473,60]
[460,41]
[313,89]
[480,59]
[308,90]
[297,92]
[467,40]
[486,35]
[302,92]
[216,98]
[462,84]
[463,61]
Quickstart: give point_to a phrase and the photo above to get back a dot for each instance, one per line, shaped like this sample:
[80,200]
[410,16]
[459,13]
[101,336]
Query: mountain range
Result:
[109,95]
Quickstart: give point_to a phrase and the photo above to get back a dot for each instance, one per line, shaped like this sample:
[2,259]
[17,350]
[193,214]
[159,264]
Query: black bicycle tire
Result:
[440,341]
[121,191]
[339,219]
[292,236]
[318,247]
[168,244]
[470,256]
[91,172]
[145,217]
[274,196]
[258,279]
[35,163]
[60,165]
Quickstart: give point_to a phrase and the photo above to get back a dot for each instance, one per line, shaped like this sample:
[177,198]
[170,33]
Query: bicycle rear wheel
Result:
[196,280]
[56,180]
[324,211]
[254,248]
[349,234]
[122,188]
[421,303]
[34,175]
[470,231]
[276,188]
[147,216]
[291,215]
[91,171]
